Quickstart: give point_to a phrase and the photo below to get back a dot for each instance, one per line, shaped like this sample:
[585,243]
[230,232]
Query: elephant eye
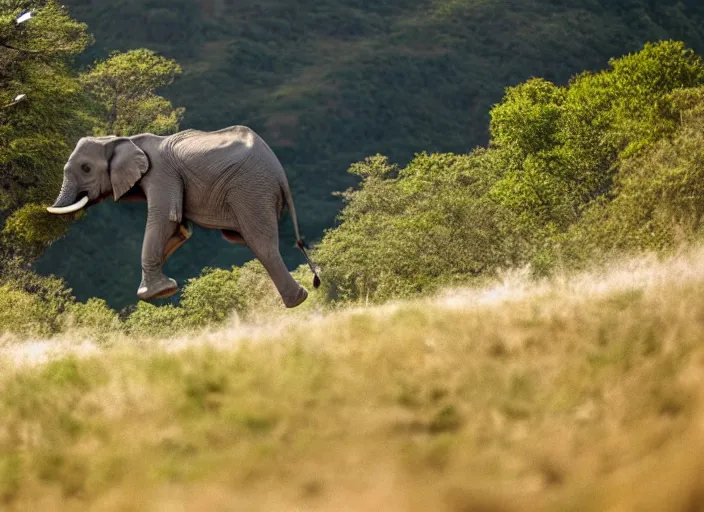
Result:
[85,167]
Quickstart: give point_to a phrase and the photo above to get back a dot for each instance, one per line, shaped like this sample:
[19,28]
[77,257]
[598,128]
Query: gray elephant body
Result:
[229,180]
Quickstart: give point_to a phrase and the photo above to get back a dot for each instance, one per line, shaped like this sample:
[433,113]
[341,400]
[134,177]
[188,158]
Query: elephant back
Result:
[214,152]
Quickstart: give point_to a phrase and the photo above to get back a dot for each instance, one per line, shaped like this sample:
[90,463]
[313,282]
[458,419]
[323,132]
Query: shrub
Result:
[23,314]
[94,316]
[150,320]
[659,201]
[212,297]
[566,143]
[409,231]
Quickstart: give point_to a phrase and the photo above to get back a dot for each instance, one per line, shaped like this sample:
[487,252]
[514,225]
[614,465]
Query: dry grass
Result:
[583,393]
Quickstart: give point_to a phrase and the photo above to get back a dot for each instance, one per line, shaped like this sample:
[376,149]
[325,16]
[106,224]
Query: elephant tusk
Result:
[69,209]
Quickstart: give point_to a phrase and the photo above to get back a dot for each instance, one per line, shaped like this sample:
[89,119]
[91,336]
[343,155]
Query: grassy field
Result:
[579,393]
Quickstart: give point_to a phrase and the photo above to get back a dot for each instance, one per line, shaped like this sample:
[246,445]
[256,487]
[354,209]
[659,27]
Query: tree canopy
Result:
[36,134]
[125,84]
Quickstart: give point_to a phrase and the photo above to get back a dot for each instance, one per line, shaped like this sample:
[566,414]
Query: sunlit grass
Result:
[579,393]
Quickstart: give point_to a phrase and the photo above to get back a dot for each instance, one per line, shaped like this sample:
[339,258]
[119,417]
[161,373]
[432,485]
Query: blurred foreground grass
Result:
[579,393]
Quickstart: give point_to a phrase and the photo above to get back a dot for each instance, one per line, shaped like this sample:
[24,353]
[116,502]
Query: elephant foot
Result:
[300,298]
[164,287]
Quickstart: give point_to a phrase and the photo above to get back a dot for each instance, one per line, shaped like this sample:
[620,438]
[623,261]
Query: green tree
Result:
[37,132]
[411,230]
[212,297]
[658,201]
[125,84]
[566,142]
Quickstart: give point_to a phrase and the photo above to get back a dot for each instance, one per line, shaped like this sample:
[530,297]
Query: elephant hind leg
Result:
[266,249]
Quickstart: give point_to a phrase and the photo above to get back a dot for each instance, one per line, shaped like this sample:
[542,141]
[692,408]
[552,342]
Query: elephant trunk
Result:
[68,200]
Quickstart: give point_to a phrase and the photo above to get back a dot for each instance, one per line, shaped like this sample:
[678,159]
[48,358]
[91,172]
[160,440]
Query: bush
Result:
[33,305]
[212,297]
[566,143]
[659,200]
[24,314]
[413,230]
[94,316]
[154,321]
[50,298]
[30,229]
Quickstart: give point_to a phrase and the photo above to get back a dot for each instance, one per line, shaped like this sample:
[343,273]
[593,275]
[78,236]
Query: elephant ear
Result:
[127,166]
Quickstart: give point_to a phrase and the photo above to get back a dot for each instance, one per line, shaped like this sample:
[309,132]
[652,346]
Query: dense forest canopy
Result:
[330,84]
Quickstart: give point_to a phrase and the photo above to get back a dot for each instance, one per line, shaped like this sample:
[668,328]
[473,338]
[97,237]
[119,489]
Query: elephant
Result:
[228,179]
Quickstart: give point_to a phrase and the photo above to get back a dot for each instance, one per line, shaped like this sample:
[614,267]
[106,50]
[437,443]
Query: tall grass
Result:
[576,393]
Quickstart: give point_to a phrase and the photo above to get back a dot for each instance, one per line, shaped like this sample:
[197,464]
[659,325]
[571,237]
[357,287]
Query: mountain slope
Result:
[329,84]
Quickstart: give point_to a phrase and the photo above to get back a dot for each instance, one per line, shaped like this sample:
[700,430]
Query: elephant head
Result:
[98,166]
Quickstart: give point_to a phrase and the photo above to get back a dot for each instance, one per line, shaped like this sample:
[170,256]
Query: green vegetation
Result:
[125,86]
[420,228]
[36,133]
[330,84]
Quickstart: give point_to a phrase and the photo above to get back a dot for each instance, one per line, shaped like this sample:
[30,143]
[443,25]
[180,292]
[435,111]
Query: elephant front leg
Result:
[159,231]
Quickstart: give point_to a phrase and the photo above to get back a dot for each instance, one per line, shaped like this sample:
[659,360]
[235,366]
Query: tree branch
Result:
[13,103]
[36,52]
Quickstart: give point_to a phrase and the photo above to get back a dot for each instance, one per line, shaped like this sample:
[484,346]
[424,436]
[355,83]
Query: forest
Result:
[330,84]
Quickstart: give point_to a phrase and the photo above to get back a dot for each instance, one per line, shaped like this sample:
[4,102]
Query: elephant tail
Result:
[299,242]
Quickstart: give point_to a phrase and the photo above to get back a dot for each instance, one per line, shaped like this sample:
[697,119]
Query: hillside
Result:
[331,84]
[566,394]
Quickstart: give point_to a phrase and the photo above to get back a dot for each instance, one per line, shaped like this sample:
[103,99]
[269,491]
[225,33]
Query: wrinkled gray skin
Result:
[228,180]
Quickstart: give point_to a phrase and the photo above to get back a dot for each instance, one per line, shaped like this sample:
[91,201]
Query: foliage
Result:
[21,313]
[32,304]
[659,200]
[36,134]
[566,142]
[44,306]
[212,297]
[95,317]
[30,230]
[416,229]
[125,84]
[570,172]
[150,320]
